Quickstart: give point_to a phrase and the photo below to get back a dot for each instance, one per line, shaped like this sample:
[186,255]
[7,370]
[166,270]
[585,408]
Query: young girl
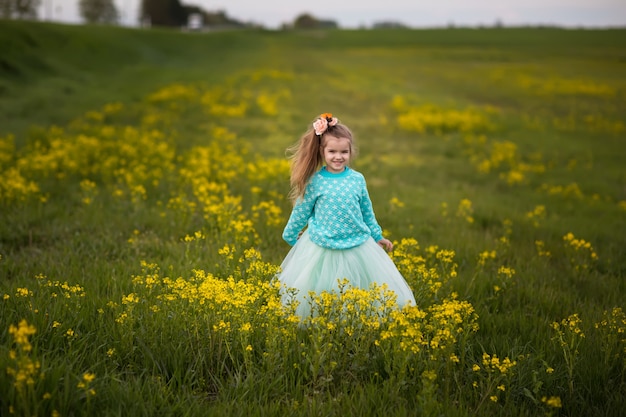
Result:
[342,238]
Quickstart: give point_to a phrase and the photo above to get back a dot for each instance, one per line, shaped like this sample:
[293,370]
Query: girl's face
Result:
[336,153]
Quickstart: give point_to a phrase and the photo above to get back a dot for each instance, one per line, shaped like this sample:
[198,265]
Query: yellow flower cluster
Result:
[173,93]
[485,256]
[582,254]
[612,329]
[537,215]
[21,333]
[491,376]
[465,210]
[271,212]
[90,190]
[436,120]
[579,244]
[553,402]
[396,203]
[506,271]
[85,384]
[268,102]
[502,157]
[570,325]
[22,369]
[450,320]
[14,186]
[492,363]
[60,289]
[571,190]
[615,321]
[549,86]
[541,251]
[426,270]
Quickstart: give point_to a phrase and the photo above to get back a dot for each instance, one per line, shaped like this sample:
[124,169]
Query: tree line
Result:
[19,9]
[171,13]
[156,12]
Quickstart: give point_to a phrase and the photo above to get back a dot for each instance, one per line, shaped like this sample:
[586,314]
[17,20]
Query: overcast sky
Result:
[415,13]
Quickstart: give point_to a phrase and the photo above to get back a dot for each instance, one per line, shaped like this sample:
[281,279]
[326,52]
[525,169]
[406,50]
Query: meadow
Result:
[143,185]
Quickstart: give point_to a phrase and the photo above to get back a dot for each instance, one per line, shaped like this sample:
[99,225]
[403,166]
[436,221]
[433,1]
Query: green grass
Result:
[57,72]
[555,99]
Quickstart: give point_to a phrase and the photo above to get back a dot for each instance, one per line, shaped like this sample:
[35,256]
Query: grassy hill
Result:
[45,65]
[57,71]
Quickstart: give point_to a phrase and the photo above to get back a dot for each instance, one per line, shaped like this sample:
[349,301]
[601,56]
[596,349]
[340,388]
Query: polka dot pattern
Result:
[337,209]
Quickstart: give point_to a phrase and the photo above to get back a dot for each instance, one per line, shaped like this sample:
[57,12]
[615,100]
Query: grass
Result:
[44,66]
[139,234]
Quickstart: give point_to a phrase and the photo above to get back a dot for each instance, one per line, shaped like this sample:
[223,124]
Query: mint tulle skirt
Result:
[309,267]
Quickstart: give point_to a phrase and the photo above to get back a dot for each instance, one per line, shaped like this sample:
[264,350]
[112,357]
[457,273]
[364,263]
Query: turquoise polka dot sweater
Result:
[337,209]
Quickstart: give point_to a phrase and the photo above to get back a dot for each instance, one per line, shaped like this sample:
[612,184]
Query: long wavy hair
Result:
[306,156]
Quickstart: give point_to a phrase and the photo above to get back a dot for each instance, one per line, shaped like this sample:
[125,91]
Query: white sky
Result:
[415,13]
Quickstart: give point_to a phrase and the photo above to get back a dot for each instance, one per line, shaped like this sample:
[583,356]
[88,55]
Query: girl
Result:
[342,238]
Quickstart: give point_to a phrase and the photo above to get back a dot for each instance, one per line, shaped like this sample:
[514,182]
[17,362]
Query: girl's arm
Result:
[300,215]
[368,214]
[370,220]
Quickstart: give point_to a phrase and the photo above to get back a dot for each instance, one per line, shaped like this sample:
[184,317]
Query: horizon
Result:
[273,14]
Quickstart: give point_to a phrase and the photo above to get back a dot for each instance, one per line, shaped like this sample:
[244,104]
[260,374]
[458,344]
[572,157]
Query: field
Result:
[143,185]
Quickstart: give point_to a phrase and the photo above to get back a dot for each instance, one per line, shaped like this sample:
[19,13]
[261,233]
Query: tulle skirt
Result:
[309,267]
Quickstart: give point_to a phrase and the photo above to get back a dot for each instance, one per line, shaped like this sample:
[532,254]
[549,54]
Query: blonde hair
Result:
[306,156]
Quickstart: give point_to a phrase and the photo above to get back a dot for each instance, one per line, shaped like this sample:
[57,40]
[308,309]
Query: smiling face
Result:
[336,153]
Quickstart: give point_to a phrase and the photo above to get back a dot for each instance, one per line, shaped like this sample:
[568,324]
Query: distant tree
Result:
[21,9]
[389,24]
[327,24]
[175,13]
[6,9]
[192,9]
[98,11]
[220,18]
[305,21]
[163,12]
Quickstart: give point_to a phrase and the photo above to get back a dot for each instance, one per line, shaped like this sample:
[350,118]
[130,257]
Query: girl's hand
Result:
[385,244]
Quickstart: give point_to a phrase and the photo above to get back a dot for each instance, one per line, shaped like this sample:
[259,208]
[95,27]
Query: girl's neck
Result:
[326,173]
